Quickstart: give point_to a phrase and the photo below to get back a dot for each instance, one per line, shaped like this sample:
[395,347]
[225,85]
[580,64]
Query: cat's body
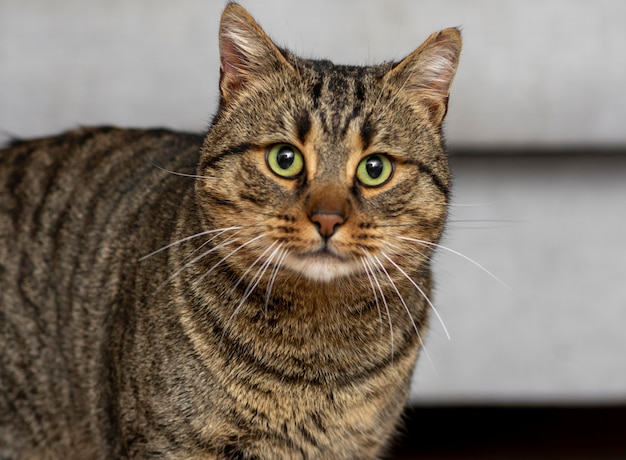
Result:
[286,318]
[74,226]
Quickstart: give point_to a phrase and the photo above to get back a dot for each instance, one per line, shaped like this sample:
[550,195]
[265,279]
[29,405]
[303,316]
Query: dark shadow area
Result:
[503,432]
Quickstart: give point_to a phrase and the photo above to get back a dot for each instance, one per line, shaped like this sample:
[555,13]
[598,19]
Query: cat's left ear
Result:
[426,75]
[247,54]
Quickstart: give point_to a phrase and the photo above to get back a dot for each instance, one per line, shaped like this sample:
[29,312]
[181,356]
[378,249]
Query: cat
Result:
[260,291]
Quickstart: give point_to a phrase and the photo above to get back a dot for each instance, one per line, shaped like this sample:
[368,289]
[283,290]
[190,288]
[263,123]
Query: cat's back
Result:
[72,211]
[41,177]
[62,195]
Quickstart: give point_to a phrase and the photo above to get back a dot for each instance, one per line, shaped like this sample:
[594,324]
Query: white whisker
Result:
[254,282]
[382,294]
[226,257]
[472,205]
[381,266]
[472,261]
[242,277]
[228,241]
[193,176]
[369,277]
[397,249]
[256,279]
[187,238]
[217,235]
[273,275]
[421,291]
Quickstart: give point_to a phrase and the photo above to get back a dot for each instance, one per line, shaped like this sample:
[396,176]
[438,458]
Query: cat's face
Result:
[326,171]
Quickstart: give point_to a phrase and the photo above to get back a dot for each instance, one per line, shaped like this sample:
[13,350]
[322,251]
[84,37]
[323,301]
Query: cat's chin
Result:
[321,266]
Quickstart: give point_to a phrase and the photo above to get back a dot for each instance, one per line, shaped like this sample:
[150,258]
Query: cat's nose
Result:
[327,223]
[328,207]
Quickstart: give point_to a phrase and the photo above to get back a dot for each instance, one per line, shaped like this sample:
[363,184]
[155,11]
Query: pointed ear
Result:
[426,74]
[246,52]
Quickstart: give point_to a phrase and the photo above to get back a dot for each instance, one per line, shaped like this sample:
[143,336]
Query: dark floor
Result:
[490,433]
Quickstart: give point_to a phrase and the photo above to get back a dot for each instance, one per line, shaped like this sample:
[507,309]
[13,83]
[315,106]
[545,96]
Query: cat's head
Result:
[325,171]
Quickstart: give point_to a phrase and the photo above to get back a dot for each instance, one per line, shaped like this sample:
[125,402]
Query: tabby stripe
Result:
[367,132]
[443,188]
[20,163]
[225,203]
[45,196]
[101,212]
[359,90]
[303,126]
[246,422]
[26,268]
[17,401]
[324,122]
[233,347]
[318,422]
[316,93]
[279,437]
[232,452]
[338,85]
[356,111]
[251,197]
[307,436]
[211,161]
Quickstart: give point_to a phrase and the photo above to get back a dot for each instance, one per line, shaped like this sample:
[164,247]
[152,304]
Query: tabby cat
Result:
[259,292]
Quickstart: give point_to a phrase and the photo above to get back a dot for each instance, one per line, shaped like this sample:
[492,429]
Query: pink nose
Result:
[327,223]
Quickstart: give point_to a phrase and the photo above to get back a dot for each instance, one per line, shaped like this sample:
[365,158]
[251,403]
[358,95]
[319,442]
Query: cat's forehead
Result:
[338,94]
[339,75]
[328,67]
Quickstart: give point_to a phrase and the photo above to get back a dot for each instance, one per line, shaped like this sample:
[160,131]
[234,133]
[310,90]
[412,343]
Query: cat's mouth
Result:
[323,253]
[321,264]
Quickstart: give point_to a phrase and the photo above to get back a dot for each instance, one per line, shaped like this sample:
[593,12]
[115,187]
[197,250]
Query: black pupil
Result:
[374,167]
[285,157]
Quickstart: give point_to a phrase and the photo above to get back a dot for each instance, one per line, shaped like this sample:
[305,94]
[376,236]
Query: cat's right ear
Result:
[426,75]
[246,52]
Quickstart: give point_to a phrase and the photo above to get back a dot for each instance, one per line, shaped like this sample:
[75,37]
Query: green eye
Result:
[374,170]
[285,160]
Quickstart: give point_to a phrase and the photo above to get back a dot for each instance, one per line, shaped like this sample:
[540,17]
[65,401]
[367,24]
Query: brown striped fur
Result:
[290,333]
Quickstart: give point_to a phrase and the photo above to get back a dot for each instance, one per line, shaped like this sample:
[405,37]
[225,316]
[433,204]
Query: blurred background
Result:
[537,133]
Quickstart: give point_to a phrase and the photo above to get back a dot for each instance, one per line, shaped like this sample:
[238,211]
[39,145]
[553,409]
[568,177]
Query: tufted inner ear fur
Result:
[247,54]
[426,75]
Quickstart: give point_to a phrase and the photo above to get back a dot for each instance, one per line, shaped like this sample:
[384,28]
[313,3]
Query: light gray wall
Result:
[552,229]
[532,73]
